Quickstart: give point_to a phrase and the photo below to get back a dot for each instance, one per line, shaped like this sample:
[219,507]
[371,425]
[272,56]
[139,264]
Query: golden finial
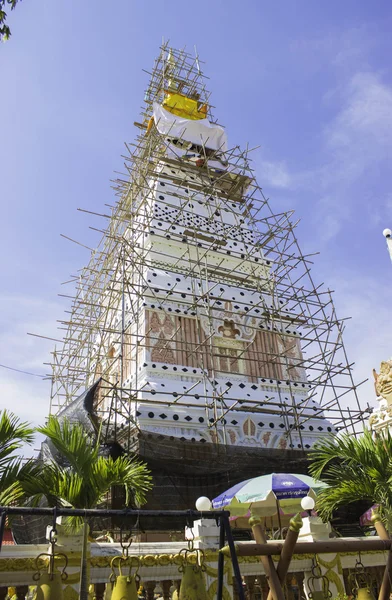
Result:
[296,523]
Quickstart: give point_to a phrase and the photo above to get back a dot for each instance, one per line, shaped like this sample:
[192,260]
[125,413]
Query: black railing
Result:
[222,517]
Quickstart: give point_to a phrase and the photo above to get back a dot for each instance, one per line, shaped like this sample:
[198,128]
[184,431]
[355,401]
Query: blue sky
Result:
[310,82]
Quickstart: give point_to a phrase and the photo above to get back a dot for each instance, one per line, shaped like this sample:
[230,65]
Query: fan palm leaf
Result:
[73,443]
[13,478]
[355,468]
[13,435]
[87,477]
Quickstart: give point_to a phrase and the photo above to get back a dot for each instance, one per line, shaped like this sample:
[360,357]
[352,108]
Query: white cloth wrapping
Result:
[200,132]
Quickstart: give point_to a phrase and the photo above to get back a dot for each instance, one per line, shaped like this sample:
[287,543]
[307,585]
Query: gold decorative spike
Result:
[296,522]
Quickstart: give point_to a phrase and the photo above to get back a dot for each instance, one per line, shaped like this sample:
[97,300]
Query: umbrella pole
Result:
[268,564]
[279,519]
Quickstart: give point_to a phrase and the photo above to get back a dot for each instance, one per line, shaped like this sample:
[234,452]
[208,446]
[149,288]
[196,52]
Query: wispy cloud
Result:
[355,142]
[341,49]
[367,335]
[26,398]
[362,127]
[349,182]
[274,174]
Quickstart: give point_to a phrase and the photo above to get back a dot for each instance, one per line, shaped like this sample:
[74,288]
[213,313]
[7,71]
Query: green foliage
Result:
[5,31]
[85,480]
[355,468]
[88,477]
[13,434]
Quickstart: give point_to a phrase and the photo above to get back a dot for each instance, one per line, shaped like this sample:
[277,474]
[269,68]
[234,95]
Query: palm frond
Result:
[13,434]
[132,475]
[10,487]
[72,442]
[88,478]
[348,492]
[355,468]
[11,494]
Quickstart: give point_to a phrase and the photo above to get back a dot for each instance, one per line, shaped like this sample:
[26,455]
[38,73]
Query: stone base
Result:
[204,533]
[313,529]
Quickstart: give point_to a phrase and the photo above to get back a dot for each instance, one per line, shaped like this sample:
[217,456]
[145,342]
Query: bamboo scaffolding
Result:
[242,243]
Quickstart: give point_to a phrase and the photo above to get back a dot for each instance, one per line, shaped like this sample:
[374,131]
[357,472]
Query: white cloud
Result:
[367,334]
[359,135]
[363,125]
[274,174]
[361,132]
[28,398]
[356,145]
[357,140]
[342,49]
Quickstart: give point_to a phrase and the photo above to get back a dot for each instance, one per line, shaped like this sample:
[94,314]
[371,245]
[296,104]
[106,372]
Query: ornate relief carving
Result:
[228,360]
[249,428]
[292,367]
[160,335]
[229,323]
[266,437]
[214,437]
[232,436]
[155,324]
[383,381]
[282,443]
[229,330]
[229,355]
[162,351]
[168,326]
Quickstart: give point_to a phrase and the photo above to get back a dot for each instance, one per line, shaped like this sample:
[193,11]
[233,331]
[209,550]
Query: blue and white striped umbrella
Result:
[263,495]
